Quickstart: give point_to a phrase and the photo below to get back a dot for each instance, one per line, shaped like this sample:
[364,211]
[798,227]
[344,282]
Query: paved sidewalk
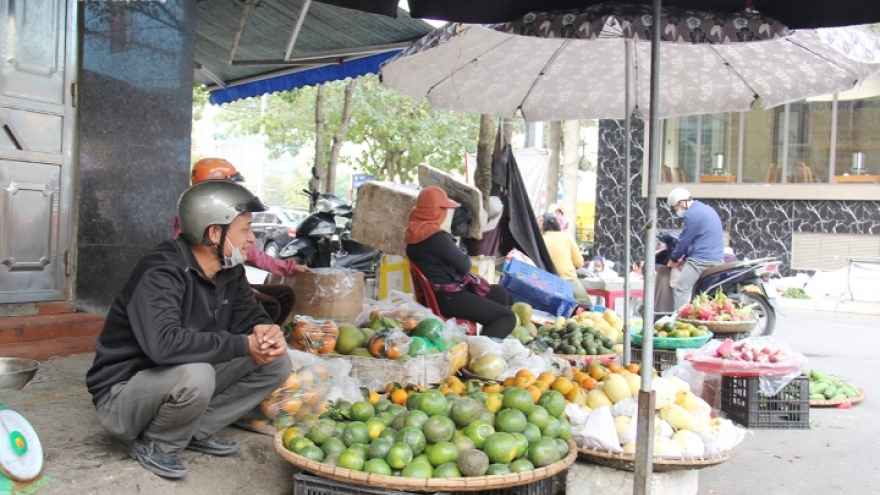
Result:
[832,305]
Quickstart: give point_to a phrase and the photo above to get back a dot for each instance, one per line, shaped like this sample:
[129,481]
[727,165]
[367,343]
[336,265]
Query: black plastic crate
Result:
[305,484]
[663,359]
[743,403]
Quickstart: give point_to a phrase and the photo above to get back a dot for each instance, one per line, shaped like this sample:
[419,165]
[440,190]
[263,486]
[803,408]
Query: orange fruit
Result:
[306,378]
[579,376]
[547,377]
[321,407]
[633,368]
[313,395]
[508,382]
[535,391]
[562,385]
[493,388]
[589,383]
[575,369]
[458,388]
[614,367]
[374,397]
[452,379]
[291,384]
[291,405]
[524,373]
[410,323]
[574,392]
[541,385]
[521,382]
[321,372]
[270,408]
[391,387]
[399,396]
[445,390]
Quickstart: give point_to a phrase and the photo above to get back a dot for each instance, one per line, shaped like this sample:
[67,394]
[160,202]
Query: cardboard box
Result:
[394,275]
[484,266]
[457,191]
[382,214]
[326,294]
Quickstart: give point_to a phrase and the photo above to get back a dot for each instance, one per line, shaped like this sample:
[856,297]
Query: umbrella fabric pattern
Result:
[571,65]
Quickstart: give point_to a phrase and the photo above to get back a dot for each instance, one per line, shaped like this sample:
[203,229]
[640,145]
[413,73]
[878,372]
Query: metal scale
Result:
[21,454]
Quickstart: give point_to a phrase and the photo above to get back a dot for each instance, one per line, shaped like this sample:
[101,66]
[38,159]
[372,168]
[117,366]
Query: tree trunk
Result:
[318,176]
[569,173]
[554,142]
[339,139]
[483,171]
[507,131]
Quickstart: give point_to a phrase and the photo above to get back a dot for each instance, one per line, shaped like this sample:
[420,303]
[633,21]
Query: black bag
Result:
[461,221]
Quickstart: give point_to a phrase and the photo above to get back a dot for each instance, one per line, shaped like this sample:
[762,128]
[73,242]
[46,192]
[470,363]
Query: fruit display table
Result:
[611,291]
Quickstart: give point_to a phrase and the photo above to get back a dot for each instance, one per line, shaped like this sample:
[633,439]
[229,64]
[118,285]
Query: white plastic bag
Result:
[599,431]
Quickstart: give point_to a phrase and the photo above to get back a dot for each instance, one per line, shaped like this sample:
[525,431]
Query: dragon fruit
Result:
[705,313]
[686,311]
[725,350]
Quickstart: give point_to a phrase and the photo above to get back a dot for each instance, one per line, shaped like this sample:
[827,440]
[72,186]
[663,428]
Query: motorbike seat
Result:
[719,268]
[425,296]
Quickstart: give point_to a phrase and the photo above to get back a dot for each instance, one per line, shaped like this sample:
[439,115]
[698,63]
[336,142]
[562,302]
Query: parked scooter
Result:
[318,244]
[746,282]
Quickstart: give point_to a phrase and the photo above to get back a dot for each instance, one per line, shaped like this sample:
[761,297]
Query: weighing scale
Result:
[21,454]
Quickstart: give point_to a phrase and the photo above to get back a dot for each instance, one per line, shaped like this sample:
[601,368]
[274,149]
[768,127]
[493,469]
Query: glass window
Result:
[858,131]
[762,148]
[717,150]
[809,134]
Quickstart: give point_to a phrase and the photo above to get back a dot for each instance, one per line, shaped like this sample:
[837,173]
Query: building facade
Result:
[800,182]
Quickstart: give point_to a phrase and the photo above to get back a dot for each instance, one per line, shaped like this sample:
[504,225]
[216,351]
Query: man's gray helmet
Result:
[213,202]
[677,195]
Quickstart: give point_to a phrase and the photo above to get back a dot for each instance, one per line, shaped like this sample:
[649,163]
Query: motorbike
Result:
[319,243]
[746,282]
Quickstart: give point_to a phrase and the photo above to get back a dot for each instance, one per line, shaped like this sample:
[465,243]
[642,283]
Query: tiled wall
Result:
[757,228]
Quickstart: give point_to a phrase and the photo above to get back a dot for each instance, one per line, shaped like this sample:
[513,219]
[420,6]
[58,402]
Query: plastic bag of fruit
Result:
[313,383]
[310,335]
[770,359]
[389,343]
[398,310]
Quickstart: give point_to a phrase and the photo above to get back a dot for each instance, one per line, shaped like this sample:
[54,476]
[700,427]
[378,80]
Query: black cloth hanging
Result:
[518,227]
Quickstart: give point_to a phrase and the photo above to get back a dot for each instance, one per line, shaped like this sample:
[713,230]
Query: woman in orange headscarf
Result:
[444,264]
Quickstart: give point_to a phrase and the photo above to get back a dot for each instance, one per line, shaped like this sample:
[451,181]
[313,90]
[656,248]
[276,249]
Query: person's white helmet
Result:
[677,195]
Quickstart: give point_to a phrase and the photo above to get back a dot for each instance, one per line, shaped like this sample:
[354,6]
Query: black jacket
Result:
[170,313]
[439,259]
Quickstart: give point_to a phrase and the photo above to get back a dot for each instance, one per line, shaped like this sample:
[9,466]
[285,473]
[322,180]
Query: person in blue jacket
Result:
[700,245]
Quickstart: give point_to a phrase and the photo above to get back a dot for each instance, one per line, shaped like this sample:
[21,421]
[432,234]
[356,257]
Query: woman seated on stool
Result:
[433,250]
[566,256]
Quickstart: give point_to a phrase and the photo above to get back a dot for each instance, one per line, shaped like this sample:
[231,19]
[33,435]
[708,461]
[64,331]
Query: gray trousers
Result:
[690,273]
[171,405]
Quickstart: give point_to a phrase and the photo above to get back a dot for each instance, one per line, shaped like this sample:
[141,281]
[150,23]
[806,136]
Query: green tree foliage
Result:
[396,133]
[200,100]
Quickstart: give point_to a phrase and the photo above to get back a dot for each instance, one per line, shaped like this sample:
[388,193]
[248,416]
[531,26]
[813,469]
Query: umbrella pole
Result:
[645,430]
[627,237]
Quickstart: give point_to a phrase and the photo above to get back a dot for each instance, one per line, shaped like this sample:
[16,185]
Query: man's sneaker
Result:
[213,445]
[151,457]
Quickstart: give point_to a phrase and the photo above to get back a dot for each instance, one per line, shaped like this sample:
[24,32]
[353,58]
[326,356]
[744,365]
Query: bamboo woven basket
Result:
[420,370]
[626,462]
[474,484]
[830,403]
[717,327]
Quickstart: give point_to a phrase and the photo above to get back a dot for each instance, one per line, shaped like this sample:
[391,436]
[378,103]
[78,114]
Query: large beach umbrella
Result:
[591,64]
[572,64]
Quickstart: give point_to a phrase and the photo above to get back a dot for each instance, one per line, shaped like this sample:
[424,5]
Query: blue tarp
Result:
[310,77]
